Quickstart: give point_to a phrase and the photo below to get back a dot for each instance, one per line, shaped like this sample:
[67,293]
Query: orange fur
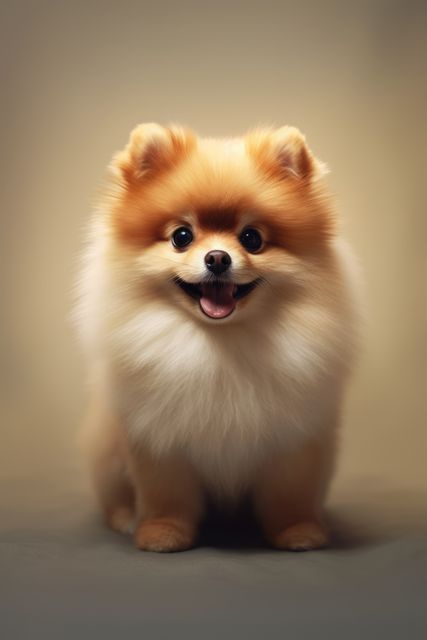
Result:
[297,210]
[184,404]
[290,491]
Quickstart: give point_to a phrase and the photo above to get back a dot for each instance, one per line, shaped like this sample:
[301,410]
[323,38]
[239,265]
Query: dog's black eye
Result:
[182,237]
[251,239]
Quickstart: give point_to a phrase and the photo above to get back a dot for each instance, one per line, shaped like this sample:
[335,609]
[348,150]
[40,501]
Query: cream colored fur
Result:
[179,399]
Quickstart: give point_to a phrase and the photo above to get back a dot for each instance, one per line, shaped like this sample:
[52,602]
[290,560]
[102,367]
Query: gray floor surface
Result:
[64,576]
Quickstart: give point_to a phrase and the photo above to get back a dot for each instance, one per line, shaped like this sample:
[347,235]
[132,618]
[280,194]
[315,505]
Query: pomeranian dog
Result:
[218,310]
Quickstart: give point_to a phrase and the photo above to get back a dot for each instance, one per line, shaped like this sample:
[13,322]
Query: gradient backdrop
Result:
[78,75]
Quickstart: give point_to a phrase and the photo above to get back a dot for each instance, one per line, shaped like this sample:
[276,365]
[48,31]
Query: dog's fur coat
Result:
[185,404]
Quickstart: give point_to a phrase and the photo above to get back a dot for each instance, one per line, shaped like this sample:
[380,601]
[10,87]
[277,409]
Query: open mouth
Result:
[217,298]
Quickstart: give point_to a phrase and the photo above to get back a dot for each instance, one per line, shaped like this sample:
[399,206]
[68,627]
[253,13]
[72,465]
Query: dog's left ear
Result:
[284,153]
[152,149]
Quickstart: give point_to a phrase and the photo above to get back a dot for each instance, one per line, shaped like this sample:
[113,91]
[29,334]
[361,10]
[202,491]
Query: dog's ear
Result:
[284,153]
[151,150]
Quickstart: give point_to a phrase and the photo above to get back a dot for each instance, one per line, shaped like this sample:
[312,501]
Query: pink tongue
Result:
[218,302]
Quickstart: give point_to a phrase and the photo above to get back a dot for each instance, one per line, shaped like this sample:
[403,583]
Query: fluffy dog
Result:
[218,309]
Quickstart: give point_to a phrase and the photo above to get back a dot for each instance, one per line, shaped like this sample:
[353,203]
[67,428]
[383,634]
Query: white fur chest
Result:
[224,398]
[224,395]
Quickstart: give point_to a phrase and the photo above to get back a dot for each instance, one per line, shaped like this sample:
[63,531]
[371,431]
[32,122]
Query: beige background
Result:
[77,76]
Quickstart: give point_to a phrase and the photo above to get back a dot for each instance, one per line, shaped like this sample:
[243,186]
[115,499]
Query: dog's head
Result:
[220,228]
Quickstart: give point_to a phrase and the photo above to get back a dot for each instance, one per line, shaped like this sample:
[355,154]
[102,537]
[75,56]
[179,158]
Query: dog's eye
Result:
[182,237]
[251,239]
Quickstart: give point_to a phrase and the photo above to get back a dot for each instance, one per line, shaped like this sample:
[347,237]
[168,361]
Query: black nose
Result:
[217,261]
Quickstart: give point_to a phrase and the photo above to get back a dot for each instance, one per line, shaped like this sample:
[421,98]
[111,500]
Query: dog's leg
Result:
[103,441]
[289,496]
[169,501]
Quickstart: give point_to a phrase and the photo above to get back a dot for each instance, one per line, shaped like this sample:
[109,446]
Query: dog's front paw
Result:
[165,535]
[302,536]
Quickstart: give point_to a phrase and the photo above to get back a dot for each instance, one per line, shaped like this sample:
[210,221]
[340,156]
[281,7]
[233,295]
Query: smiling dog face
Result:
[219,227]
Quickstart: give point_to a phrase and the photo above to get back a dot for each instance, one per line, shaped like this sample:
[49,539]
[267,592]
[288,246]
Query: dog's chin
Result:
[216,299]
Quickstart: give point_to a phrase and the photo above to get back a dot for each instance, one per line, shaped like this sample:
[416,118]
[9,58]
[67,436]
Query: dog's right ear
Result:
[151,150]
[283,153]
